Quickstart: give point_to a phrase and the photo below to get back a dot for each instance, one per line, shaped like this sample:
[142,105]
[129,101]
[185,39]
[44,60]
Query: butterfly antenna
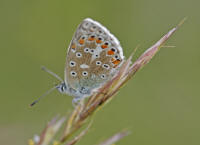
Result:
[45,94]
[51,73]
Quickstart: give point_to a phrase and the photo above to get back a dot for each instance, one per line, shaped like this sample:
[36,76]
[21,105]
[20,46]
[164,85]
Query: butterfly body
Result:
[93,57]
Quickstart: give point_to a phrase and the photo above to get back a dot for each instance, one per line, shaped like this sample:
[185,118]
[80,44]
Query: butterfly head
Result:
[62,88]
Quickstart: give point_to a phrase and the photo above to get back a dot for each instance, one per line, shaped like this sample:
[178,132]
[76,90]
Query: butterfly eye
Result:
[78,54]
[73,73]
[62,89]
[72,63]
[103,76]
[86,50]
[98,62]
[106,66]
[85,73]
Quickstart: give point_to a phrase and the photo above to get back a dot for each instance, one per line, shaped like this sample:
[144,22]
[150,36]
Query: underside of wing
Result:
[93,57]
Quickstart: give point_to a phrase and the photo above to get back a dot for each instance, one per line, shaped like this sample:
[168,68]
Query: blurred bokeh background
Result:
[160,105]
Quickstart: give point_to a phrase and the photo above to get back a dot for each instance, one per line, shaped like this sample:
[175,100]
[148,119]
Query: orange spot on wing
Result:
[104,46]
[110,52]
[73,46]
[98,41]
[81,41]
[116,62]
[91,38]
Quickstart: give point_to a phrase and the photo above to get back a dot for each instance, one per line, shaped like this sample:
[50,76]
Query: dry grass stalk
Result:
[102,96]
[115,138]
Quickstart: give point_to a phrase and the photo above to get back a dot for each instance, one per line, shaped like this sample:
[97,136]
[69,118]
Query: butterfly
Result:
[93,57]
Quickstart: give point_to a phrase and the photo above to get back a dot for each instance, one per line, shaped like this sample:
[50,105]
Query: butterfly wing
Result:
[93,57]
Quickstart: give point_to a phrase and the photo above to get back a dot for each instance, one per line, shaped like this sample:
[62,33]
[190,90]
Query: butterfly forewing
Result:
[93,57]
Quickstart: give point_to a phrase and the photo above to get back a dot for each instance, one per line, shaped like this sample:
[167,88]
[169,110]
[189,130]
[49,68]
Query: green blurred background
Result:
[160,105]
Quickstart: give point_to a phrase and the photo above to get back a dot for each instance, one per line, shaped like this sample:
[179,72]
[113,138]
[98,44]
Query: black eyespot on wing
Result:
[85,73]
[106,66]
[103,76]
[78,54]
[86,50]
[106,43]
[98,62]
[113,49]
[73,73]
[72,63]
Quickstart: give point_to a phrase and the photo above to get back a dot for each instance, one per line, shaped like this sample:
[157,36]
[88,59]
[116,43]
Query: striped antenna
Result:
[45,94]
